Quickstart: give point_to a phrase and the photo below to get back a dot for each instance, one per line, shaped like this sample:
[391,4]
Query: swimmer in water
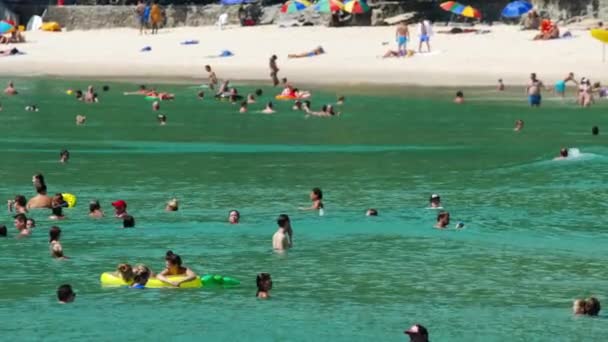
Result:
[578,307]
[297,105]
[435,202]
[21,225]
[30,223]
[162,119]
[258,92]
[41,200]
[459,99]
[595,130]
[120,208]
[563,154]
[417,333]
[65,294]
[371,212]
[80,120]
[519,125]
[316,196]
[264,283]
[243,108]
[54,245]
[95,209]
[10,89]
[3,231]
[141,275]
[283,238]
[251,99]
[56,214]
[78,94]
[269,109]
[19,205]
[200,95]
[340,100]
[172,205]
[31,108]
[125,272]
[174,267]
[64,156]
[500,86]
[141,91]
[234,217]
[156,106]
[90,96]
[443,220]
[128,221]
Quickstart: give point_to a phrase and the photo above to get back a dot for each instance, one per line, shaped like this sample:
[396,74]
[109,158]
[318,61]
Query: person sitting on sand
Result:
[10,89]
[80,120]
[269,109]
[318,51]
[531,21]
[560,86]
[172,205]
[443,220]
[243,108]
[162,119]
[563,154]
[519,125]
[548,30]
[19,205]
[141,275]
[95,209]
[16,37]
[459,99]
[251,99]
[174,268]
[54,245]
[234,217]
[264,284]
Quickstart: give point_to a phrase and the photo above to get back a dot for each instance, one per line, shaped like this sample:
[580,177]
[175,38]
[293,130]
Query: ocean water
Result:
[534,236]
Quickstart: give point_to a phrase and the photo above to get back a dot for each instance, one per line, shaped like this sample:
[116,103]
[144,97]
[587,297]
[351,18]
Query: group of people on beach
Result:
[403,37]
[149,16]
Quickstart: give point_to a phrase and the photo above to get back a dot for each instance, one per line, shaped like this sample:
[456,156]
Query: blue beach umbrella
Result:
[516,9]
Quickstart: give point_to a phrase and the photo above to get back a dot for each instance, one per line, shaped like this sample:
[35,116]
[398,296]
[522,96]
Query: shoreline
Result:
[457,61]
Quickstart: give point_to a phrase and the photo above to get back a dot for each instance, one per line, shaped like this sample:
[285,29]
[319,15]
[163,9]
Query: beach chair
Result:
[222,20]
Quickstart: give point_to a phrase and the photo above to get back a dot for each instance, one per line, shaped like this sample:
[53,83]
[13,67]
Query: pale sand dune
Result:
[352,55]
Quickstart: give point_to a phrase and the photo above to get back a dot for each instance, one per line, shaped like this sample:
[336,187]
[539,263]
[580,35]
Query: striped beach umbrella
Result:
[356,6]
[329,6]
[460,9]
[293,6]
[5,27]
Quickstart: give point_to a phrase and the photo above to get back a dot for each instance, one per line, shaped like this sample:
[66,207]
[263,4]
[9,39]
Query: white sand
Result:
[352,55]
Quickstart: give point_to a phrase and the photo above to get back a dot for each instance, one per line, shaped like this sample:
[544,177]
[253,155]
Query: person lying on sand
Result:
[318,51]
[393,53]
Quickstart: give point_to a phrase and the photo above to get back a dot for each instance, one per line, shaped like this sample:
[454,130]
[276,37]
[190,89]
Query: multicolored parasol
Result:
[460,9]
[5,27]
[356,6]
[293,6]
[329,6]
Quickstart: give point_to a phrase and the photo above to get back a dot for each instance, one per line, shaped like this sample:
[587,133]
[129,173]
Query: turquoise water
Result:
[534,238]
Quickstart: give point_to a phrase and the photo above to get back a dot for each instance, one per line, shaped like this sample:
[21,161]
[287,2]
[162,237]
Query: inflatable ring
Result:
[69,199]
[218,280]
[110,279]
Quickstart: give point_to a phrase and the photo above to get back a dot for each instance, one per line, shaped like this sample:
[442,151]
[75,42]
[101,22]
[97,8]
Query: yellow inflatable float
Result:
[69,199]
[110,279]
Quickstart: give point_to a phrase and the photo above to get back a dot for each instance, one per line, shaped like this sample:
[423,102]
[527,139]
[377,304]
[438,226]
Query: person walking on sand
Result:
[534,91]
[274,70]
[402,35]
[156,16]
[140,10]
[425,35]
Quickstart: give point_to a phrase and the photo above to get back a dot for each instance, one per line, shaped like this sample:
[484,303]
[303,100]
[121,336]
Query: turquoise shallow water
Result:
[534,237]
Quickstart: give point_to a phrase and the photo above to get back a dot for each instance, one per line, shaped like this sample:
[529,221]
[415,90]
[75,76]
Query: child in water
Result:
[174,267]
[264,283]
[54,245]
[125,271]
[316,196]
[141,274]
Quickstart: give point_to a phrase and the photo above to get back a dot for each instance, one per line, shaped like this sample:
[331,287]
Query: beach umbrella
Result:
[5,27]
[516,9]
[293,6]
[460,9]
[601,35]
[329,6]
[356,6]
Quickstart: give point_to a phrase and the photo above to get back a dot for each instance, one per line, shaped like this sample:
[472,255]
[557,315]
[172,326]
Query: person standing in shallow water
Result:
[274,71]
[443,220]
[283,238]
[65,294]
[316,196]
[534,91]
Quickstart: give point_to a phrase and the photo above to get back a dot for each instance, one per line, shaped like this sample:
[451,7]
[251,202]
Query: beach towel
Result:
[146,49]
[189,42]
[224,53]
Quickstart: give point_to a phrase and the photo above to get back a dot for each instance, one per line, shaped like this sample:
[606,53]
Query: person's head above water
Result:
[128,221]
[563,152]
[371,212]
[20,221]
[20,200]
[258,92]
[3,231]
[435,201]
[57,211]
[94,206]
[65,294]
[595,130]
[519,125]
[172,205]
[201,94]
[105,88]
[264,285]
[269,105]
[443,219]
[141,274]
[533,76]
[417,333]
[592,306]
[172,260]
[64,155]
[30,223]
[283,221]
[120,206]
[316,194]
[234,216]
[125,271]
[54,234]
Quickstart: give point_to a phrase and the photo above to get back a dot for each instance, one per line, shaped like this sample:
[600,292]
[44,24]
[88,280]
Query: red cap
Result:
[119,204]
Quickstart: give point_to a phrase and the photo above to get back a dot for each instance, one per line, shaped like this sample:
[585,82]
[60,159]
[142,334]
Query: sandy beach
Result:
[353,55]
